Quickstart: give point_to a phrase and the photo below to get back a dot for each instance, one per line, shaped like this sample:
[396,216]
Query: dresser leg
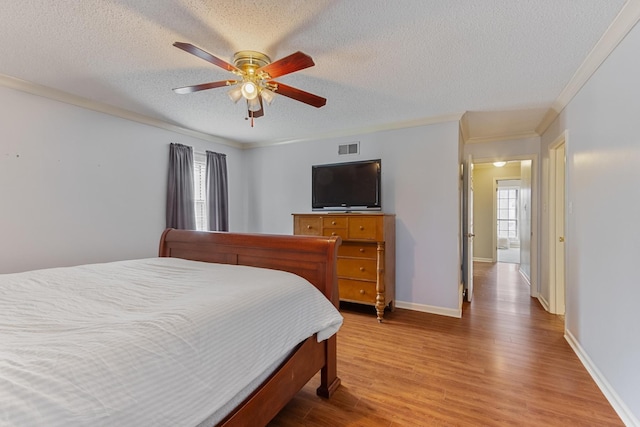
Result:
[380,285]
[380,305]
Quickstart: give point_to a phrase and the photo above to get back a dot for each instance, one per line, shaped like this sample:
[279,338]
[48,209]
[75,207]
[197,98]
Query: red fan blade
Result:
[300,95]
[187,47]
[294,62]
[203,86]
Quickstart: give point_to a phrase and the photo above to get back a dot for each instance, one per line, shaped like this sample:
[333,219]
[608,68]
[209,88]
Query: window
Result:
[199,190]
[507,212]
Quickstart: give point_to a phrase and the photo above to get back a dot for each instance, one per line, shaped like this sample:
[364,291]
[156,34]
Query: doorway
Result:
[507,211]
[486,176]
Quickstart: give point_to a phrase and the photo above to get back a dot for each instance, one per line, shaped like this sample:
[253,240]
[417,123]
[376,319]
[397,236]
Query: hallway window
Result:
[507,212]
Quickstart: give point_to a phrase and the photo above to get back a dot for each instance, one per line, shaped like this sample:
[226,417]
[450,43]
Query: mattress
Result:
[159,341]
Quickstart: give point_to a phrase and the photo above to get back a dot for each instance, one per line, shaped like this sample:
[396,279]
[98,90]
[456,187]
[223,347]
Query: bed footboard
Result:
[313,258]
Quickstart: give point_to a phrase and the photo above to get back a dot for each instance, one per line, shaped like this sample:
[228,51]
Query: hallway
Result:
[522,345]
[504,363]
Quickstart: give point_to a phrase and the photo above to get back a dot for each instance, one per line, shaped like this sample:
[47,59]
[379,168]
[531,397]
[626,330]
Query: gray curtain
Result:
[180,199]
[217,194]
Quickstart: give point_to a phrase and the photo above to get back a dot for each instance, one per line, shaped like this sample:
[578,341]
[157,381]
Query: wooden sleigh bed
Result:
[168,341]
[309,257]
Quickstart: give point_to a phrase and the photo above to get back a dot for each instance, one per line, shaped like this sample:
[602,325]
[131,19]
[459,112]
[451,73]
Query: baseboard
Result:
[524,276]
[443,311]
[544,303]
[618,405]
[482,259]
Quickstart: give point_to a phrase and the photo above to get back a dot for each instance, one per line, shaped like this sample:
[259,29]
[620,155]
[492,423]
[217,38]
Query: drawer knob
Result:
[361,291]
[361,268]
[361,249]
[308,227]
[362,227]
[333,223]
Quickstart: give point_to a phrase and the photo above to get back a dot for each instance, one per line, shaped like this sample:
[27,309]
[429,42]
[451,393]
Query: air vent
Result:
[353,148]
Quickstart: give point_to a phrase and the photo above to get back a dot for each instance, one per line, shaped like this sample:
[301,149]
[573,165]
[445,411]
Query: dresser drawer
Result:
[342,232]
[308,225]
[334,222]
[357,268]
[364,228]
[358,250]
[356,290]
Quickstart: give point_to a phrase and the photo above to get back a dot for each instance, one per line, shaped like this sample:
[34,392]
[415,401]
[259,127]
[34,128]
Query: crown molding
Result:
[452,117]
[506,137]
[626,19]
[464,127]
[68,98]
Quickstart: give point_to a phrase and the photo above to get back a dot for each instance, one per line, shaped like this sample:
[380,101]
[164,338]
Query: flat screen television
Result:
[352,186]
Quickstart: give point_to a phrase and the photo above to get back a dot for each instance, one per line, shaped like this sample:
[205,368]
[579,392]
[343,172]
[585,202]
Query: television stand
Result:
[366,259]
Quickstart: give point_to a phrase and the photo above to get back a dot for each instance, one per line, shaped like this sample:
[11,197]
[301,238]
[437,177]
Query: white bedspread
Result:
[154,342]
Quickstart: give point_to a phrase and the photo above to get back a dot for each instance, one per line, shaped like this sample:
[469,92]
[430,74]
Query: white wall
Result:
[420,184]
[602,233]
[77,186]
[512,149]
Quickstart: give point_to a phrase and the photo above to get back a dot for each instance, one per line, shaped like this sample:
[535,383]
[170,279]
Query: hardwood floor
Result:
[504,363]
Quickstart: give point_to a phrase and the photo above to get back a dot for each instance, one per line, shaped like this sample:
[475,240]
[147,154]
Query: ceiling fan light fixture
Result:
[249,90]
[254,82]
[254,104]
[268,95]
[235,93]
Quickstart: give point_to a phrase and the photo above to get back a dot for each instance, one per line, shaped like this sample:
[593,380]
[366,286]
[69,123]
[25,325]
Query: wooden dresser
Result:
[366,258]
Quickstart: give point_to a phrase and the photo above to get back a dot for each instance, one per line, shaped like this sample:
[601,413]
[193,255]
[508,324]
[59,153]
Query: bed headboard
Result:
[313,258]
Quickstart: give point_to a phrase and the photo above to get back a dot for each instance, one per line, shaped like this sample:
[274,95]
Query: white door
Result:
[556,226]
[560,219]
[467,237]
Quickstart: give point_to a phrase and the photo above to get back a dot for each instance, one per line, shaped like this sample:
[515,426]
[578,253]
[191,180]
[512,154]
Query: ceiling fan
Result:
[255,82]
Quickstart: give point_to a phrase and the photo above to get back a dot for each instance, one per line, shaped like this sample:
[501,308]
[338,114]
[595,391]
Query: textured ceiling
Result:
[378,62]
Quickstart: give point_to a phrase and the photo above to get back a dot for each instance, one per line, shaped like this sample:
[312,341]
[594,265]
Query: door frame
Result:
[467,228]
[534,285]
[557,287]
